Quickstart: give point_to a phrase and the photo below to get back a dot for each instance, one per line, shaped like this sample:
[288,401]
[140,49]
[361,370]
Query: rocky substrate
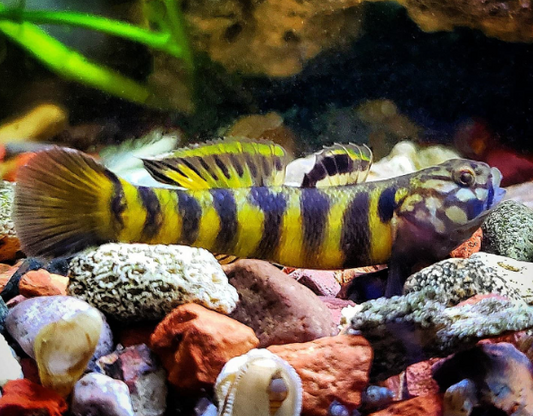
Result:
[153,330]
[146,330]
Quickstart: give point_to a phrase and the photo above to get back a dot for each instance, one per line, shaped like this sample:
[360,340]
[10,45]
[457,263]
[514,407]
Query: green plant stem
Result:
[160,41]
[73,65]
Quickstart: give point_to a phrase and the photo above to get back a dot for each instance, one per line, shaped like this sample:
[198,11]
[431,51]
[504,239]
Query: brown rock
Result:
[420,380]
[139,334]
[504,19]
[278,308]
[194,343]
[42,283]
[41,123]
[470,246]
[272,37]
[419,406]
[321,282]
[335,306]
[264,127]
[331,368]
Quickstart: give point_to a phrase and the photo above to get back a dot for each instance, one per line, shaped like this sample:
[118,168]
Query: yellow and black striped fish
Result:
[233,199]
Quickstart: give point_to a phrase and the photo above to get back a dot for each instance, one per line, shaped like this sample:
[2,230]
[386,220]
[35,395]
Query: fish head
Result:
[446,203]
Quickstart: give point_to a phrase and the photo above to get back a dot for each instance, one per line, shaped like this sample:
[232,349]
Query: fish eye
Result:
[465,177]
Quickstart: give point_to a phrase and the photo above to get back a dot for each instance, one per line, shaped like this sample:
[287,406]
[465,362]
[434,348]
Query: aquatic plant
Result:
[20,25]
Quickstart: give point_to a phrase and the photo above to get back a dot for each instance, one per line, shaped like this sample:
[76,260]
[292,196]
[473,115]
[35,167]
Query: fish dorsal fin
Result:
[224,163]
[337,165]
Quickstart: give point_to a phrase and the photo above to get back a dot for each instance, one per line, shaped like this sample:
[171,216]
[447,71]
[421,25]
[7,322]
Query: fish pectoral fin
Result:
[223,163]
[337,165]
[226,258]
[398,273]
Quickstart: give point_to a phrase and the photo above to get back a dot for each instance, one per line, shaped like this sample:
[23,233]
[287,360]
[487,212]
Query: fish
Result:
[232,198]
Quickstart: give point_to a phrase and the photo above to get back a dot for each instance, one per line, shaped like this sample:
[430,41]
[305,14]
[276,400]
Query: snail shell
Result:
[258,383]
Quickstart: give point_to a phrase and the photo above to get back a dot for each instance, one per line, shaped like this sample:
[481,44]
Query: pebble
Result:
[63,349]
[25,398]
[3,315]
[279,309]
[506,381]
[331,368]
[482,273]
[26,320]
[470,246]
[10,368]
[148,281]
[407,329]
[42,283]
[194,343]
[98,394]
[430,405]
[140,369]
[9,242]
[321,282]
[508,231]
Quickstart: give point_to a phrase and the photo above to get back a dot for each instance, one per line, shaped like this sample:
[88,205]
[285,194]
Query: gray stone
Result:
[459,279]
[25,320]
[140,369]
[97,394]
[407,329]
[3,314]
[145,282]
[508,231]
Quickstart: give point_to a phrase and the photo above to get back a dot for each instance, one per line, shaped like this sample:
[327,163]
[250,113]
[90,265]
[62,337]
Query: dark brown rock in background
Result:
[279,309]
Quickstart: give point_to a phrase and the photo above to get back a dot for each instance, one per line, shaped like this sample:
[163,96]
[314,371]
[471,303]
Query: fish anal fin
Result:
[229,163]
[337,165]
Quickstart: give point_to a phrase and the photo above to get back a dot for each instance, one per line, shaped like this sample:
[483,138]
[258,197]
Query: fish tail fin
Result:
[62,203]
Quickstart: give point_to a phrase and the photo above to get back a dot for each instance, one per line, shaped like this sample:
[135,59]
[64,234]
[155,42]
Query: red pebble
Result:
[470,246]
[25,398]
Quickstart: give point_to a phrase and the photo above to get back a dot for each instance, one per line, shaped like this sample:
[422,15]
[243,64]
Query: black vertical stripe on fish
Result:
[236,164]
[330,165]
[154,218]
[317,173]
[226,208]
[344,163]
[190,166]
[387,204]
[222,166]
[273,206]
[314,206]
[190,212]
[118,200]
[355,238]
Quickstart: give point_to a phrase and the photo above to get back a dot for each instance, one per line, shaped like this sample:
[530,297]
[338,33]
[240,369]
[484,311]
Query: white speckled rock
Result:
[97,394]
[143,282]
[517,274]
[9,366]
[27,319]
[406,157]
[460,279]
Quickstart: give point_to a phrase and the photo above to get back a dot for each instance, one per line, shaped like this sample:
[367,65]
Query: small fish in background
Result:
[476,140]
[231,197]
